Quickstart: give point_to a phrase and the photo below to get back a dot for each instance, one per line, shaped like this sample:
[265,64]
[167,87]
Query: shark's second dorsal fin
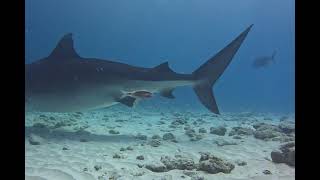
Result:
[64,48]
[164,67]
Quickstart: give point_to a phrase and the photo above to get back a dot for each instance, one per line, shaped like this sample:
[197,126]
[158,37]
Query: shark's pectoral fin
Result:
[128,101]
[167,93]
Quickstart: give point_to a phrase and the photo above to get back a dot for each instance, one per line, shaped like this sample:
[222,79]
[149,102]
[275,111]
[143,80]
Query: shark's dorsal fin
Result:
[64,49]
[164,67]
[167,93]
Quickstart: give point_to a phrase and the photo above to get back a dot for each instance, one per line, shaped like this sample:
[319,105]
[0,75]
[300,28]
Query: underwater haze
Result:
[159,138]
[186,33]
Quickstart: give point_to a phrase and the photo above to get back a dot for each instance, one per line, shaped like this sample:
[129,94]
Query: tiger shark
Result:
[66,82]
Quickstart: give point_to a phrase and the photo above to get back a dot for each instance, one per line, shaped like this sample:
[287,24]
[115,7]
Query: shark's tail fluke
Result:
[209,72]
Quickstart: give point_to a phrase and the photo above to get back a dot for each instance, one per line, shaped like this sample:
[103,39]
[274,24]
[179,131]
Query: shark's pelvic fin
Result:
[64,49]
[167,93]
[128,101]
[208,73]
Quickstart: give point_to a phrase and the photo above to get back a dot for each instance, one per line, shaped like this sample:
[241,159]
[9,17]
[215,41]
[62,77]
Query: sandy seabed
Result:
[85,146]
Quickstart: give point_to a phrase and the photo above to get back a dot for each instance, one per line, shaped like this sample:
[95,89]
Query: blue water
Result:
[184,32]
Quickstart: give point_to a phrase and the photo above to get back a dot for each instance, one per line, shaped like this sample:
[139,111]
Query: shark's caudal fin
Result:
[208,73]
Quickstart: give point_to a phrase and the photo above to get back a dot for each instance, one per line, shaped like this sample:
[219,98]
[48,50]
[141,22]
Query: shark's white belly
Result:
[52,103]
[94,98]
[83,100]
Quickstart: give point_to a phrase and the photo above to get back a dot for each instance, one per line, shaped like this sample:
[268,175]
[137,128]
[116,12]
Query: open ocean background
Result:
[184,32]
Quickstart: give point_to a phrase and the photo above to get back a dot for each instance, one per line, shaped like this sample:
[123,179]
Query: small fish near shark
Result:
[66,82]
[264,61]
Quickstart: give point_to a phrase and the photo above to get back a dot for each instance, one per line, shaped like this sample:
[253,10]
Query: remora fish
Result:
[67,82]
